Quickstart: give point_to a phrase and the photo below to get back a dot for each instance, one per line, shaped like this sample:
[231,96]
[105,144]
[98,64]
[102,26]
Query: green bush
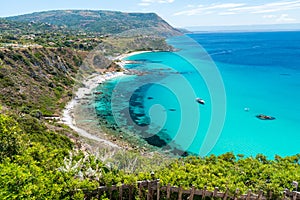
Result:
[36,113]
[10,137]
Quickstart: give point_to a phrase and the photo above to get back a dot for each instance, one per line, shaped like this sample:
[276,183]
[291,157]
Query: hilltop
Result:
[104,22]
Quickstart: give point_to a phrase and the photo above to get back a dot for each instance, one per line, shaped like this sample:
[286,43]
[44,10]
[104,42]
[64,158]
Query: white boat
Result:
[199,100]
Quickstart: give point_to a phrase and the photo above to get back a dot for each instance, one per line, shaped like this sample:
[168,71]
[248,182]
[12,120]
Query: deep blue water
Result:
[239,75]
[273,49]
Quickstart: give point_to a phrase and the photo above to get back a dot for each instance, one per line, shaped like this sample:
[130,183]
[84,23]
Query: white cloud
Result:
[144,4]
[226,5]
[269,16]
[226,13]
[284,18]
[149,2]
[241,8]
[269,7]
[204,10]
[166,1]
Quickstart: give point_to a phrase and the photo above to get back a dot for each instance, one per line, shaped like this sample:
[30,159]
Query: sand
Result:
[121,57]
[90,84]
[68,113]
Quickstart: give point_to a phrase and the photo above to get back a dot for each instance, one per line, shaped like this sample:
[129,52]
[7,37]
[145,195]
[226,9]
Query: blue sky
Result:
[179,13]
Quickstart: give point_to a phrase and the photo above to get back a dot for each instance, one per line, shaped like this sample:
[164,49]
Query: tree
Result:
[10,137]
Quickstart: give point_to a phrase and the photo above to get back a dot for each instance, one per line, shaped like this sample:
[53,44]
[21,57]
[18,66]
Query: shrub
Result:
[10,139]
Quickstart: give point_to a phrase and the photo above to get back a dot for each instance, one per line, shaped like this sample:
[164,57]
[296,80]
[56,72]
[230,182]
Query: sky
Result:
[179,13]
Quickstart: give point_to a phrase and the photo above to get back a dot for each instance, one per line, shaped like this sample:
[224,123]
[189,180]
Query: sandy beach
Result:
[68,113]
[71,114]
[121,57]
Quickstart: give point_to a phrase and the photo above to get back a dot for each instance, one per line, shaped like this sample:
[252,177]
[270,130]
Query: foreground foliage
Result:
[225,171]
[36,163]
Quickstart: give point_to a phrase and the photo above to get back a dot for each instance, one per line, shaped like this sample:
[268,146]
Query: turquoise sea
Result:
[239,75]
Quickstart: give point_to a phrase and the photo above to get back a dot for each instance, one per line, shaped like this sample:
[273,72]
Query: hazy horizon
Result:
[208,28]
[177,13]
[252,27]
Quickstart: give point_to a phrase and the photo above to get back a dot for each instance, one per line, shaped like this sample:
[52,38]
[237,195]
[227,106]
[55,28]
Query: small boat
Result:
[201,101]
[265,117]
[98,92]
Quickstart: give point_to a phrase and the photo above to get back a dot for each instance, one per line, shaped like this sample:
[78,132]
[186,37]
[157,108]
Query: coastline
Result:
[68,117]
[74,110]
[122,63]
[122,56]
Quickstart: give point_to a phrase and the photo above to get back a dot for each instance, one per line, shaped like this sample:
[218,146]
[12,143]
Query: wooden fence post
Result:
[130,192]
[98,193]
[121,192]
[180,193]
[158,190]
[248,195]
[110,193]
[284,194]
[270,195]
[204,192]
[260,194]
[294,195]
[168,191]
[149,194]
[236,194]
[215,191]
[191,197]
[226,194]
[140,190]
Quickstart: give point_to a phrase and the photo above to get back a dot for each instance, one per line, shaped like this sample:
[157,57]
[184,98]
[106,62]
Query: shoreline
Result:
[122,56]
[122,63]
[69,113]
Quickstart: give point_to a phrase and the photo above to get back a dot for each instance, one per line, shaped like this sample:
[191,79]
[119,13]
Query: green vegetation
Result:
[10,135]
[48,171]
[37,164]
[37,79]
[225,171]
[114,45]
[28,163]
[40,63]
[103,22]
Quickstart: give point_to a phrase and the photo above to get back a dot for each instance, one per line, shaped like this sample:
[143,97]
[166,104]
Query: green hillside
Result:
[41,59]
[104,22]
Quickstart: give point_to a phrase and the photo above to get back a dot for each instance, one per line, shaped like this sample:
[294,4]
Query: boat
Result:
[199,100]
[98,92]
[265,117]
[246,109]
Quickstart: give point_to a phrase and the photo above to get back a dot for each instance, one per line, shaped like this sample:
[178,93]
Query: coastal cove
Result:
[79,114]
[251,89]
[121,104]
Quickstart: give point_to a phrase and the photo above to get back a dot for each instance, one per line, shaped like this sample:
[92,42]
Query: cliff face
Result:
[37,78]
[41,77]
[43,54]
[104,22]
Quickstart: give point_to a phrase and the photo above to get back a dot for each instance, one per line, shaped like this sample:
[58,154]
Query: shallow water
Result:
[257,71]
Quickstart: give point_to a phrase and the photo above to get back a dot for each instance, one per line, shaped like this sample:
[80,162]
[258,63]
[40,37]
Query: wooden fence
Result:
[152,190]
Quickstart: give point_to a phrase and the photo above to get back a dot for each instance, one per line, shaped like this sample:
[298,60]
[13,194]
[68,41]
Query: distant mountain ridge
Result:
[105,22]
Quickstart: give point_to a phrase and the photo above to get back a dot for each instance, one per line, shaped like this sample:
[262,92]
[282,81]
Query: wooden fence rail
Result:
[152,190]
